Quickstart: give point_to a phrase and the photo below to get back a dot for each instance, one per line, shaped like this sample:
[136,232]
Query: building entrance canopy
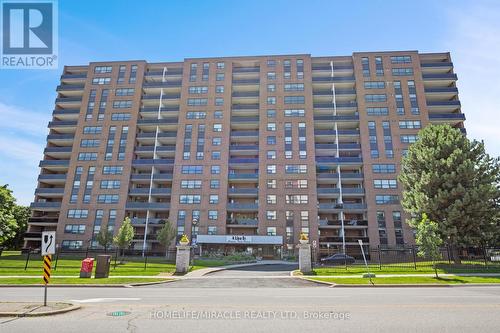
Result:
[239,239]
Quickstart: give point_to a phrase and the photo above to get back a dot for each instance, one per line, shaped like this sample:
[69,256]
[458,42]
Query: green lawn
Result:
[412,280]
[422,268]
[78,281]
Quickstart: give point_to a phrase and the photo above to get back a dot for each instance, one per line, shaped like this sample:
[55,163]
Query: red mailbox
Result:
[87,266]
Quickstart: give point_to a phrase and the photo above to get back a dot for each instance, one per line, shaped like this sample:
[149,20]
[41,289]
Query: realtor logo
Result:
[29,34]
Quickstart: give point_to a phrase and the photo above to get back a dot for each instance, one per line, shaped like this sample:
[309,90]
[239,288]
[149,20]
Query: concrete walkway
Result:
[209,270]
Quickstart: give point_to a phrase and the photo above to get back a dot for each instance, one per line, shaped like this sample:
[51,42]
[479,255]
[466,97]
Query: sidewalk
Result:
[401,275]
[25,309]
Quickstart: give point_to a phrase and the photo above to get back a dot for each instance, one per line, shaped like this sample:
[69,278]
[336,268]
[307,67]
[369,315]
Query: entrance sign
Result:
[239,239]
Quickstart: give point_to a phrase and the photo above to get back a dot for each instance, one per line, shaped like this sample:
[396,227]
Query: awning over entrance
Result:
[239,239]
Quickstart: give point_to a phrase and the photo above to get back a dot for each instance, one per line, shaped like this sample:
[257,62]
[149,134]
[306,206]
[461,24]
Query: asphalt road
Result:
[153,309]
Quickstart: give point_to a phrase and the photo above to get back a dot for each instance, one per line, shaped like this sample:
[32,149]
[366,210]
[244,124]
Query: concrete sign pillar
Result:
[182,259]
[305,258]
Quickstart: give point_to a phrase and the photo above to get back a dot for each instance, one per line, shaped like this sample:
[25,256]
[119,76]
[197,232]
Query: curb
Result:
[331,284]
[117,285]
[391,286]
[140,284]
[72,307]
[223,268]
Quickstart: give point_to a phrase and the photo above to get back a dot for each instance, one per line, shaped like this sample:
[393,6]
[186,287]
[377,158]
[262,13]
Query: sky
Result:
[155,30]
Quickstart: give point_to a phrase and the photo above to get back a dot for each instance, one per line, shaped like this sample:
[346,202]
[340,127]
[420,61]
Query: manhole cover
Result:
[118,313]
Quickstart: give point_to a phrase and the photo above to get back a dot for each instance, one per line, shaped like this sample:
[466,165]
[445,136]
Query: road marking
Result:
[104,300]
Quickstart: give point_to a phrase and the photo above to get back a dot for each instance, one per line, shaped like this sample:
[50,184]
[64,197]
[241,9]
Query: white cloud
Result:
[16,120]
[473,37]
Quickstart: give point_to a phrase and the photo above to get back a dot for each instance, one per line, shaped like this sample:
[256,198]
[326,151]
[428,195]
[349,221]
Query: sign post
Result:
[48,249]
[369,275]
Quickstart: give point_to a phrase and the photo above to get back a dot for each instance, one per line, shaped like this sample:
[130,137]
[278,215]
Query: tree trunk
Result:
[436,271]
[455,255]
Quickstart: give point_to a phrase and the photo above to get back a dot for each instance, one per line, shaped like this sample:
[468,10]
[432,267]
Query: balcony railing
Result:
[341,146]
[443,76]
[345,206]
[332,132]
[145,135]
[150,149]
[339,105]
[327,67]
[134,205]
[337,92]
[162,121]
[41,205]
[52,177]
[141,221]
[245,106]
[345,190]
[250,191]
[436,64]
[165,96]
[60,137]
[347,223]
[244,133]
[339,160]
[244,119]
[334,79]
[57,150]
[245,94]
[73,76]
[443,103]
[162,84]
[61,112]
[246,81]
[244,147]
[50,190]
[66,87]
[441,90]
[156,176]
[459,116]
[243,221]
[337,118]
[344,175]
[243,160]
[48,163]
[348,239]
[246,69]
[68,99]
[154,191]
[162,161]
[62,123]
[242,176]
[170,108]
[170,71]
[242,206]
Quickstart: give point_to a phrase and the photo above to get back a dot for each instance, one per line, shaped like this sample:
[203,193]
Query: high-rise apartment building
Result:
[240,153]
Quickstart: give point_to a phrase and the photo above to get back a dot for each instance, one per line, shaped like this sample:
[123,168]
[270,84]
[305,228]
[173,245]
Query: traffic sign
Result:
[47,263]
[48,242]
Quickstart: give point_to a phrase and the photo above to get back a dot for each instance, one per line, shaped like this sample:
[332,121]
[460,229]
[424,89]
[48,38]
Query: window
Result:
[74,228]
[384,168]
[219,101]
[219,77]
[212,230]
[217,141]
[107,198]
[192,169]
[271,127]
[375,98]
[214,183]
[190,199]
[294,87]
[190,184]
[271,183]
[219,89]
[120,116]
[122,104]
[271,100]
[386,199]
[197,101]
[271,63]
[271,199]
[213,214]
[294,99]
[294,113]
[366,66]
[218,115]
[198,89]
[103,69]
[87,143]
[271,231]
[215,169]
[410,124]
[220,65]
[72,244]
[271,75]
[271,168]
[408,138]
[271,154]
[374,84]
[87,156]
[296,199]
[213,199]
[271,113]
[296,168]
[271,140]
[217,128]
[271,87]
[92,130]
[402,71]
[110,184]
[101,80]
[216,155]
[296,183]
[124,92]
[112,170]
[78,213]
[401,60]
[271,214]
[385,183]
[196,115]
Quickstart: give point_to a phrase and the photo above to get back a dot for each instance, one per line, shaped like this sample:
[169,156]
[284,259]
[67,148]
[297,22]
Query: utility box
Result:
[102,267]
[87,267]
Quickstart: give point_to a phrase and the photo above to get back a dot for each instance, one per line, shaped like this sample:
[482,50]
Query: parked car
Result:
[338,259]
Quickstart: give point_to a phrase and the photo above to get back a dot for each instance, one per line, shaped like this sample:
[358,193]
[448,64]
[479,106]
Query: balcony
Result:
[164,96]
[136,221]
[243,222]
[149,237]
[73,76]
[52,178]
[335,79]
[337,207]
[252,106]
[242,207]
[151,135]
[243,176]
[43,220]
[353,240]
[157,192]
[46,206]
[341,160]
[33,235]
[243,160]
[244,133]
[347,223]
[246,82]
[57,150]
[340,132]
[60,137]
[438,77]
[337,92]
[50,191]
[327,67]
[157,206]
[151,162]
[345,190]
[344,175]
[441,90]
[243,147]
[235,192]
[436,64]
[145,177]
[447,116]
[150,149]
[163,121]
[167,84]
[66,114]
[61,123]
[169,71]
[245,94]
[246,69]
[54,164]
[154,110]
[244,119]
[70,87]
[342,146]
[443,103]
[68,100]
[337,118]
[346,105]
